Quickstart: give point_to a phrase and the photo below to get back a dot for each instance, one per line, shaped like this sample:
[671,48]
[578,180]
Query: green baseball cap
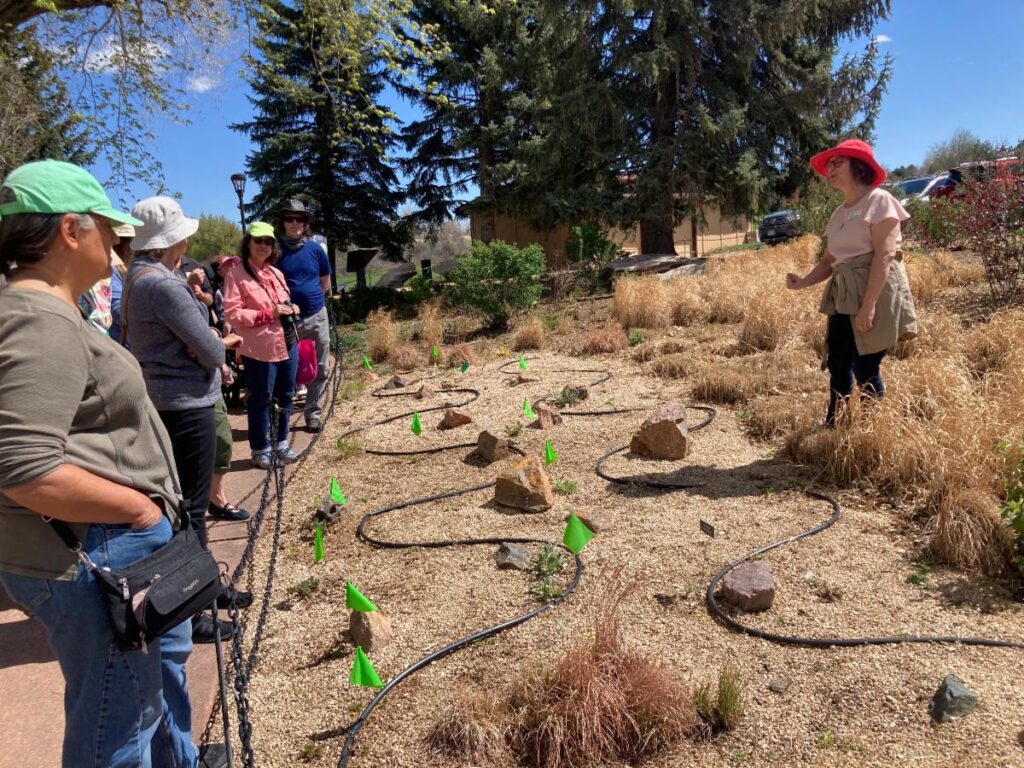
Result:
[52,186]
[259,229]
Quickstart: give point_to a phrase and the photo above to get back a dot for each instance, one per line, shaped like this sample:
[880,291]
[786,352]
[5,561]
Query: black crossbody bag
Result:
[155,594]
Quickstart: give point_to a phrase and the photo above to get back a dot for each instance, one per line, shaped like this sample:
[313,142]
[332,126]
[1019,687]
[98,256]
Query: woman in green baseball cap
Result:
[80,442]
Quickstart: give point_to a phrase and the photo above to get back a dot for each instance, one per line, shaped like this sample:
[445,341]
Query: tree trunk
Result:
[656,237]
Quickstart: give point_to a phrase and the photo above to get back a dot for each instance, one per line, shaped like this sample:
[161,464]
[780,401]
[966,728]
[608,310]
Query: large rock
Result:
[455,417]
[401,382]
[663,434]
[513,557]
[547,417]
[750,587]
[491,448]
[952,700]
[372,630]
[525,486]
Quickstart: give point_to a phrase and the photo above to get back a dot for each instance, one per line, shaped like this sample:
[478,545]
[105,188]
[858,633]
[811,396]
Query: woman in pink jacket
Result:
[257,303]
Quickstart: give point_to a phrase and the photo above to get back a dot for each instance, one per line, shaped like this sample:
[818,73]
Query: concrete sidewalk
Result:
[31,686]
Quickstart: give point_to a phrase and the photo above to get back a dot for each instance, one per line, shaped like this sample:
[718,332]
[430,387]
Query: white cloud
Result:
[880,39]
[109,55]
[202,83]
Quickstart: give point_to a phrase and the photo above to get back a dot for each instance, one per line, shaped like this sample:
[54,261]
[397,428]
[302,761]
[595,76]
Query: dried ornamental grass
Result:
[461,354]
[610,338]
[677,366]
[687,304]
[641,302]
[987,345]
[738,379]
[381,335]
[968,533]
[431,326]
[529,335]
[405,357]
[471,728]
[775,318]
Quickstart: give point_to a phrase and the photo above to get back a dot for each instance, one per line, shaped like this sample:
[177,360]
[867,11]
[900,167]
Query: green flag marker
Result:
[550,454]
[465,366]
[357,601]
[417,428]
[527,410]
[363,672]
[522,363]
[435,353]
[336,495]
[576,535]
[318,543]
[366,363]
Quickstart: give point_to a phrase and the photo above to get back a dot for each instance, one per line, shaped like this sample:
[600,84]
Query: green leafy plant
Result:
[565,487]
[636,337]
[305,588]
[513,430]
[723,709]
[919,577]
[497,280]
[826,740]
[312,751]
[348,448]
[351,389]
[545,566]
[566,397]
[588,249]
[419,288]
[1013,507]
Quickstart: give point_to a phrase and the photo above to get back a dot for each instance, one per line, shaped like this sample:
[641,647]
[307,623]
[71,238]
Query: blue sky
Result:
[958,64]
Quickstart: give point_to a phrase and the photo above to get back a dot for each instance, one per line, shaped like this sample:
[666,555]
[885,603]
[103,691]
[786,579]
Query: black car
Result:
[778,226]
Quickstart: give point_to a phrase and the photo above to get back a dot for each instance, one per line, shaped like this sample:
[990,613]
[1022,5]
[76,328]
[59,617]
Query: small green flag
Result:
[336,495]
[435,353]
[417,428]
[465,366]
[527,410]
[576,535]
[550,454]
[366,363]
[363,672]
[356,600]
[522,363]
[318,543]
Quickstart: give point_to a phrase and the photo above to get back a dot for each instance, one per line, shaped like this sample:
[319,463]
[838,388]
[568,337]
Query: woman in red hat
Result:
[868,299]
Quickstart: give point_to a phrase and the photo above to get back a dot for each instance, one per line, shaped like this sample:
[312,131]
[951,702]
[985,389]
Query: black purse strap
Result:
[75,545]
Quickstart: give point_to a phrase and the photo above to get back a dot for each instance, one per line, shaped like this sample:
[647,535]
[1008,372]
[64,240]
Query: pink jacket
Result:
[249,306]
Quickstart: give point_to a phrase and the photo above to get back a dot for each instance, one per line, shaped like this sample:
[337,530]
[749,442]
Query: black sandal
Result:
[227,512]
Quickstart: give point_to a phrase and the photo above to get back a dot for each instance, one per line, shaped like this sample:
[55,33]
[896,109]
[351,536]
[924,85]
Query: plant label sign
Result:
[708,528]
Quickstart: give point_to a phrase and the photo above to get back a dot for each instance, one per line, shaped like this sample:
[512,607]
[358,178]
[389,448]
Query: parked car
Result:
[908,188]
[946,183]
[778,226]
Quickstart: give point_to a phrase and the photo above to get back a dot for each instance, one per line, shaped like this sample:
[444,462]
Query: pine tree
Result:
[321,134]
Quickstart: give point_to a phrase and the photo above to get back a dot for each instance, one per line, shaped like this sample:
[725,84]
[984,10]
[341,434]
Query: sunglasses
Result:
[293,219]
[264,241]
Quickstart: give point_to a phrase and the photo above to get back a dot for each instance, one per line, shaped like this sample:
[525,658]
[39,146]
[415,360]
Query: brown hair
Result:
[25,238]
[861,171]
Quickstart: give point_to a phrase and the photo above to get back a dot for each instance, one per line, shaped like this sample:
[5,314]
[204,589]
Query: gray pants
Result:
[316,327]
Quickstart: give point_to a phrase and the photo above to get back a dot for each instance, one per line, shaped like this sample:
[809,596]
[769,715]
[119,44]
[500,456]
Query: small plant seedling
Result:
[513,430]
[546,564]
[826,740]
[545,590]
[305,588]
[852,745]
[636,337]
[551,321]
[566,398]
[565,487]
[348,448]
[351,389]
[312,751]
[919,577]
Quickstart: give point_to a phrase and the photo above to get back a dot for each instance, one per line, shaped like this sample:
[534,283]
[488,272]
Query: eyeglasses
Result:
[264,241]
[836,162]
[293,219]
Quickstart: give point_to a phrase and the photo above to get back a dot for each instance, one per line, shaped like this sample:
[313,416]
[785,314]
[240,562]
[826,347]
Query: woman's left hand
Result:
[864,319]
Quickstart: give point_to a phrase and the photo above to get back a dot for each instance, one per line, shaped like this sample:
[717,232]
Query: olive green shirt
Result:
[68,395]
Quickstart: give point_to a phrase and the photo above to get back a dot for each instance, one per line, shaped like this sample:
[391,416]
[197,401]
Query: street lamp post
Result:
[238,182]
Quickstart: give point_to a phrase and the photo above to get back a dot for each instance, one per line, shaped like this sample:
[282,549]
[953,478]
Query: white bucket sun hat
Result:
[163,224]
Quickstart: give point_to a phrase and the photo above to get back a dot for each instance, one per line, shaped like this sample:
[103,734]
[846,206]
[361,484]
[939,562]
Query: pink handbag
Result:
[307,362]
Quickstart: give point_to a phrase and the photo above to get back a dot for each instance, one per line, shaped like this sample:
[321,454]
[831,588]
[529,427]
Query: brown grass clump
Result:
[738,379]
[464,353]
[654,349]
[431,326]
[931,273]
[678,365]
[773,417]
[405,357]
[471,728]
[969,534]
[381,335]
[988,345]
[529,335]
[605,340]
[776,318]
[688,306]
[602,702]
[938,330]
[641,302]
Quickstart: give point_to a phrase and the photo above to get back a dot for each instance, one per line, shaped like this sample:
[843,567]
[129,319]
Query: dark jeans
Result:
[266,382]
[194,440]
[844,365]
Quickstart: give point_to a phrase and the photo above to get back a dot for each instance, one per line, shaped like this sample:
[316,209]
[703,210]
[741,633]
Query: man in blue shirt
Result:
[307,271]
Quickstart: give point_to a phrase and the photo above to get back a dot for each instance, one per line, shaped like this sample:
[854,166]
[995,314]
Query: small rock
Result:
[780,685]
[750,587]
[491,448]
[400,382]
[425,392]
[328,512]
[513,557]
[547,417]
[952,700]
[447,385]
[525,485]
[522,378]
[595,521]
[455,417]
[663,434]
[371,630]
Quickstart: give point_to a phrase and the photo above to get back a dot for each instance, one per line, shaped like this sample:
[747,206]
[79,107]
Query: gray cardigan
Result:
[165,324]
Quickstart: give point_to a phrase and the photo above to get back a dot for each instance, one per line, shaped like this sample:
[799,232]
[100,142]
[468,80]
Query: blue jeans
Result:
[122,709]
[266,382]
[845,364]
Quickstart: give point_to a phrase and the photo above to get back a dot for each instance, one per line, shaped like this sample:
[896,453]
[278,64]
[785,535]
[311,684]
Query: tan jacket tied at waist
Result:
[895,316]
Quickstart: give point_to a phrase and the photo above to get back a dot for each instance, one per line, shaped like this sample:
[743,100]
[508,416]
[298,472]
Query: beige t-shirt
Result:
[849,229]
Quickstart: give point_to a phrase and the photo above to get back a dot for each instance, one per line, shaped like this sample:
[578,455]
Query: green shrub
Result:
[933,224]
[1013,506]
[420,288]
[497,280]
[588,249]
[815,206]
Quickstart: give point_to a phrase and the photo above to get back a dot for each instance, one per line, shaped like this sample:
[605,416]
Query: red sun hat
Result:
[850,148]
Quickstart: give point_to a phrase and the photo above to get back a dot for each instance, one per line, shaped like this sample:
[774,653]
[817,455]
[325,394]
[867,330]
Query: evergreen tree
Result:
[320,132]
